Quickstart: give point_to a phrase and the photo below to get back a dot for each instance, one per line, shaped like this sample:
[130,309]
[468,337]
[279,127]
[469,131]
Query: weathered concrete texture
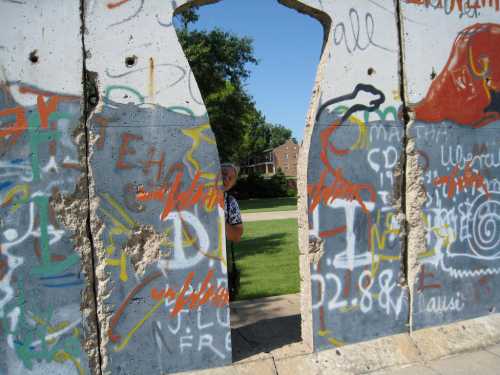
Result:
[47,312]
[305,256]
[354,186]
[407,370]
[481,363]
[189,243]
[473,334]
[453,176]
[157,218]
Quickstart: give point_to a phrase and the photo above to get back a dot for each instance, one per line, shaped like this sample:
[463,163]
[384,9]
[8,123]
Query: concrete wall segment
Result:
[354,179]
[36,27]
[47,310]
[157,219]
[156,76]
[452,76]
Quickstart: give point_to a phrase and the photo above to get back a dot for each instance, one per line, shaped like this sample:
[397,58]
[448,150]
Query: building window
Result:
[286,156]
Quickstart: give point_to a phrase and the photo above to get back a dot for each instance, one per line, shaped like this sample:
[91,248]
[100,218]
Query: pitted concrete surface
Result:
[262,216]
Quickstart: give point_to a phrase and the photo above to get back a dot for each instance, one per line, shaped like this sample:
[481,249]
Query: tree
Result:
[279,135]
[219,61]
[185,17]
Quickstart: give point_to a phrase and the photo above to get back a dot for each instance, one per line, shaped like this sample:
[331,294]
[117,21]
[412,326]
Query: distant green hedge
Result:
[256,186]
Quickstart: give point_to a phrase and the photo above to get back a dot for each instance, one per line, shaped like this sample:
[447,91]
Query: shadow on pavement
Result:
[264,336]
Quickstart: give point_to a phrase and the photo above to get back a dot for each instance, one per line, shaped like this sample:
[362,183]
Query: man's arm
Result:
[234,232]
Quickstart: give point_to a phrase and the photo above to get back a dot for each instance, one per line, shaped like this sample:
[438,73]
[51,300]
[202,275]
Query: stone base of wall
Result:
[419,347]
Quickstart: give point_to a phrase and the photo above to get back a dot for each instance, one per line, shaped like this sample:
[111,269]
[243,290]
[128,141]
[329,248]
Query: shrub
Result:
[256,186]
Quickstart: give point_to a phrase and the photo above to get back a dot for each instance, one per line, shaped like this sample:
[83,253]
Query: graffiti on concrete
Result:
[162,230]
[355,209]
[456,135]
[158,220]
[462,8]
[41,277]
[467,90]
[354,180]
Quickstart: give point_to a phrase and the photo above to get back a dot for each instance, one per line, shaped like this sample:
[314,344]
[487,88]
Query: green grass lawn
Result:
[266,205]
[268,259]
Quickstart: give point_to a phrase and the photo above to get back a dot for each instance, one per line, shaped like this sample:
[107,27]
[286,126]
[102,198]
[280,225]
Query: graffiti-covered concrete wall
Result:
[402,157]
[112,233]
[47,314]
[157,217]
[354,183]
[454,95]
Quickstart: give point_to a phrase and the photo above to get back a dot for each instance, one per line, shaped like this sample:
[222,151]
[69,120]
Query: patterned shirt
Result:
[232,210]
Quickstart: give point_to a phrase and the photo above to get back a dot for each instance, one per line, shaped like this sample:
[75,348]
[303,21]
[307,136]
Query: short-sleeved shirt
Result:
[232,210]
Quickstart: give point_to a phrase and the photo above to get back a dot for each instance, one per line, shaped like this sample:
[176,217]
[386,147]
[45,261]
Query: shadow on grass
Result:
[264,336]
[259,245]
[271,203]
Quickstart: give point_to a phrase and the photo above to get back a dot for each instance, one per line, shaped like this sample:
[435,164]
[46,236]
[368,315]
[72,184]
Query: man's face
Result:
[228,177]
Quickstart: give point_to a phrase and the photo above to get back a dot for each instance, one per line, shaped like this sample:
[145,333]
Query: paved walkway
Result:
[273,215]
[482,362]
[266,341]
[264,325]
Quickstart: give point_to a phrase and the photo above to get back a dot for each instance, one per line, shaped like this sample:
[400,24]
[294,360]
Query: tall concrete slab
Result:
[157,205]
[353,150]
[452,72]
[47,314]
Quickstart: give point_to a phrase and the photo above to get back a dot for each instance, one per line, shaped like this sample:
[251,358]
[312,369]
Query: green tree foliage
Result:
[220,62]
[256,186]
[185,17]
[279,135]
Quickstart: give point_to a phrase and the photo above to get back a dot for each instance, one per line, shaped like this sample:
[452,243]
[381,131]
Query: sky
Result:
[287,45]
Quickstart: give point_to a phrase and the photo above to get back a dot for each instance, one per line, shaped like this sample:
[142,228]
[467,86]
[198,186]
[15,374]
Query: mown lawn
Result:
[266,205]
[268,259]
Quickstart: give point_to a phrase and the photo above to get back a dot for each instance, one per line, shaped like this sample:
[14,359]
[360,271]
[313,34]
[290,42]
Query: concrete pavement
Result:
[266,341]
[482,362]
[273,215]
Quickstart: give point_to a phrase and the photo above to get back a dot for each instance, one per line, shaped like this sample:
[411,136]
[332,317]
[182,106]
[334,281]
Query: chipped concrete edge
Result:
[69,209]
[307,253]
[104,283]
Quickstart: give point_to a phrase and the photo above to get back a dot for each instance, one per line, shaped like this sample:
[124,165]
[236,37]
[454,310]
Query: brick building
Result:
[284,156]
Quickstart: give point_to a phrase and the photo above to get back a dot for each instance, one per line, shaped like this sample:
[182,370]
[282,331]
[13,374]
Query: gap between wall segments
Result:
[405,121]
[89,103]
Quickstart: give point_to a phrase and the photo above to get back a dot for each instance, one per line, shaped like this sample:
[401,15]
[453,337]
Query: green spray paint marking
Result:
[39,136]
[49,268]
[26,334]
[390,110]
